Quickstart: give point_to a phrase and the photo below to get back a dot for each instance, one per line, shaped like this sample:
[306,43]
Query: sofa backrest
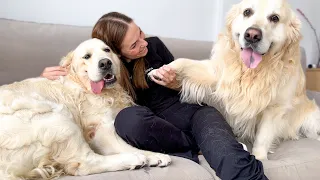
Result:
[27,48]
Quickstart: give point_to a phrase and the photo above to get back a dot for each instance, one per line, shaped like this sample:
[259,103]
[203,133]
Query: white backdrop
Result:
[187,19]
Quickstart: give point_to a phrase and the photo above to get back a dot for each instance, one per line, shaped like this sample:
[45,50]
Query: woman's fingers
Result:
[160,82]
[168,73]
[54,72]
[165,74]
[55,68]
[158,75]
[53,77]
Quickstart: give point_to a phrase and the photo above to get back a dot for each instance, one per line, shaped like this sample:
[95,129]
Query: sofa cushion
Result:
[294,160]
[180,169]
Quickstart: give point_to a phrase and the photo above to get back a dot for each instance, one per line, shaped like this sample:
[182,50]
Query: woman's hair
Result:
[111,28]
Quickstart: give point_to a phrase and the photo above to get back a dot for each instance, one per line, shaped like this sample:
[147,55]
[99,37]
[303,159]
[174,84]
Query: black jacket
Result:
[156,97]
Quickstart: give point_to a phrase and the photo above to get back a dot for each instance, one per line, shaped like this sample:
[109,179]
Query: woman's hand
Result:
[165,76]
[54,72]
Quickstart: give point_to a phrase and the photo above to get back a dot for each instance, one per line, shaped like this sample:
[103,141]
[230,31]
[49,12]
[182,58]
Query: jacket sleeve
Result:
[165,56]
[163,51]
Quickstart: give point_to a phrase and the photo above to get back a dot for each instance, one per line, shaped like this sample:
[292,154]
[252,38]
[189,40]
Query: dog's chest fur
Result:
[245,88]
[245,93]
[99,108]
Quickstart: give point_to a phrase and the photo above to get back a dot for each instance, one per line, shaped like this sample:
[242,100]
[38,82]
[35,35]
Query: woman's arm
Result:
[164,76]
[163,51]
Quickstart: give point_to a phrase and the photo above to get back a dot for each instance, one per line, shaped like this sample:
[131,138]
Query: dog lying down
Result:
[255,76]
[66,126]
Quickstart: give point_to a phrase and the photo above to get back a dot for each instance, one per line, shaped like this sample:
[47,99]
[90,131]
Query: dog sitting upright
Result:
[255,76]
[67,125]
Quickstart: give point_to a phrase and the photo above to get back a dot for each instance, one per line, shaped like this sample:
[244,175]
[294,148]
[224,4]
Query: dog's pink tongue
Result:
[97,87]
[250,59]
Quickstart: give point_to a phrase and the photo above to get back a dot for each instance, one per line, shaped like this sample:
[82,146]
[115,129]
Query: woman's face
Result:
[134,46]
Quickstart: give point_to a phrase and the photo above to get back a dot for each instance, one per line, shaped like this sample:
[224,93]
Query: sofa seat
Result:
[292,160]
[180,169]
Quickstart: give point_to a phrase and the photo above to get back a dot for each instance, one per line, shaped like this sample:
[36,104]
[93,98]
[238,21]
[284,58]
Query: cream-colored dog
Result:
[67,126]
[255,76]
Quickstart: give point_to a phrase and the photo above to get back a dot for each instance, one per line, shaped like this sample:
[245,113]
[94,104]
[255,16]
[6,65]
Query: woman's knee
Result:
[209,115]
[208,111]
[130,121]
[209,121]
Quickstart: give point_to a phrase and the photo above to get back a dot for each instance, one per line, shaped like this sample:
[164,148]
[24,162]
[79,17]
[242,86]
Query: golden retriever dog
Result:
[66,126]
[254,76]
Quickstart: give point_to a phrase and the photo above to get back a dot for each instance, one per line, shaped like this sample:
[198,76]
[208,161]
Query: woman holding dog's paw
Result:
[162,123]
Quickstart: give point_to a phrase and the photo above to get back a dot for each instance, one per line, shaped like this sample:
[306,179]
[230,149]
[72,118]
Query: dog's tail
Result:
[46,169]
[45,172]
[311,120]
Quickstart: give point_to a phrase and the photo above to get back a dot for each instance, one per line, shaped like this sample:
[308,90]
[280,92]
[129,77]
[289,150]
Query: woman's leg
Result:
[221,149]
[141,128]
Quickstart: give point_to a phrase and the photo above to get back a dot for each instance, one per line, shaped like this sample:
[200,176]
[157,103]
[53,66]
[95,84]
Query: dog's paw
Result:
[271,152]
[244,146]
[135,160]
[158,159]
[153,74]
[260,153]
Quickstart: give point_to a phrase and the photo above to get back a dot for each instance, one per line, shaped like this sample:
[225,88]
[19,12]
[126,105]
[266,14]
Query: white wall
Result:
[311,10]
[188,19]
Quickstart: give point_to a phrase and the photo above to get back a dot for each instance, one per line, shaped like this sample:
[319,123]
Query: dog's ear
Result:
[294,29]
[66,61]
[231,16]
[292,52]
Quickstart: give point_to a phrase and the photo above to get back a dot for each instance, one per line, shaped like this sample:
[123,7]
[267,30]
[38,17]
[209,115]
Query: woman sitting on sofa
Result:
[162,123]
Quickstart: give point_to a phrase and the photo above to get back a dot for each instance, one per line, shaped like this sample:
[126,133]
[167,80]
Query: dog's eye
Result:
[87,56]
[106,50]
[274,18]
[248,12]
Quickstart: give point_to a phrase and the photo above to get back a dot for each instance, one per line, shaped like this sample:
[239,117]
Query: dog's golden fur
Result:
[264,104]
[49,128]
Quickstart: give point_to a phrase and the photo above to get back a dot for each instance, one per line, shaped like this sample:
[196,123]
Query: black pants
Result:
[182,131]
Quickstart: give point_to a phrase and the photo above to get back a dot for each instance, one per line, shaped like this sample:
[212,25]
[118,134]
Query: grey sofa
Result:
[26,48]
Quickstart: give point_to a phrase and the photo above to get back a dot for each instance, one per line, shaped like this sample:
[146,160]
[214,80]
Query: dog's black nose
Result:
[253,35]
[105,64]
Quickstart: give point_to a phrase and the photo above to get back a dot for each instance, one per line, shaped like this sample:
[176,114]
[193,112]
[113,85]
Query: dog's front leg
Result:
[268,130]
[106,141]
[197,79]
[92,163]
